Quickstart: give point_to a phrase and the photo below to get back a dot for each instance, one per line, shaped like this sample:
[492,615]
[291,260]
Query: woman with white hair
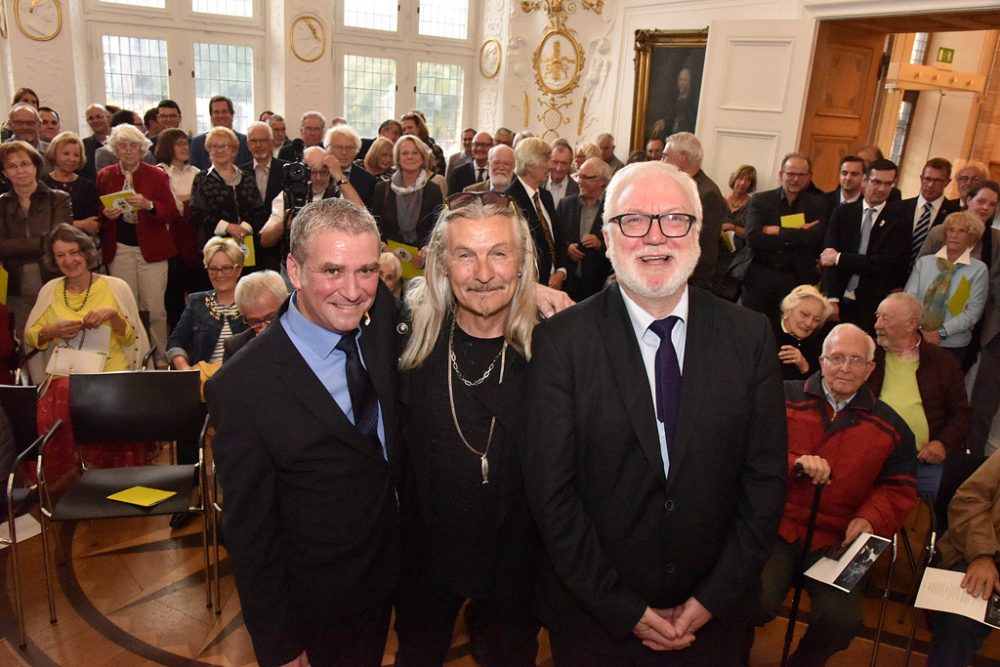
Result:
[135,227]
[953,286]
[407,205]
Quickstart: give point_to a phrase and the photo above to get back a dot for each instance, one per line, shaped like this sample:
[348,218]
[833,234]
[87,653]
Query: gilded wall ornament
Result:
[490,58]
[558,62]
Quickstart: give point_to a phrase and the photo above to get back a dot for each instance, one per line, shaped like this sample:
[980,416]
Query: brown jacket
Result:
[942,390]
[974,517]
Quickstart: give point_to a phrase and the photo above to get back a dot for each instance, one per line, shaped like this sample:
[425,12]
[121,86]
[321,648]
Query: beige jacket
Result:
[974,517]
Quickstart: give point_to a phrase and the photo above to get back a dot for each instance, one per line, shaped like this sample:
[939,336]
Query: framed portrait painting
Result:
[669,67]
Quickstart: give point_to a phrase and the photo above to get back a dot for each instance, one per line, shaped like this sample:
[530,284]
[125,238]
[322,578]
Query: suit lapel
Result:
[700,360]
[630,376]
[301,381]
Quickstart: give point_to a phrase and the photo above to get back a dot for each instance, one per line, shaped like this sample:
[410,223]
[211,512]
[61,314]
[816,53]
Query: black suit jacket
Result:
[713,214]
[364,183]
[594,267]
[310,506]
[462,177]
[620,536]
[287,152]
[90,146]
[908,210]
[520,196]
[383,208]
[236,342]
[882,269]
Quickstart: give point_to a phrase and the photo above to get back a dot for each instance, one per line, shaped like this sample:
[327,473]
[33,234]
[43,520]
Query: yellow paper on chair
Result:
[961,296]
[793,221]
[406,253]
[143,496]
[249,252]
[4,278]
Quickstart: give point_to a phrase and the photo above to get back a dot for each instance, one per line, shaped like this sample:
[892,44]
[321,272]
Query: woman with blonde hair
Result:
[378,160]
[406,206]
[67,156]
[804,313]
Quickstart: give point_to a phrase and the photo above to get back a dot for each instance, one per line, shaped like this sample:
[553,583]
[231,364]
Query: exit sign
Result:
[946,56]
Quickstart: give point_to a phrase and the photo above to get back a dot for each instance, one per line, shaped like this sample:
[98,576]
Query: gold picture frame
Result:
[557,73]
[661,59]
[43,26]
[490,58]
[307,37]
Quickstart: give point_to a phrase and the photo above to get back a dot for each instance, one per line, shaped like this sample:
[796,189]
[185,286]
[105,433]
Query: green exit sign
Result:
[946,56]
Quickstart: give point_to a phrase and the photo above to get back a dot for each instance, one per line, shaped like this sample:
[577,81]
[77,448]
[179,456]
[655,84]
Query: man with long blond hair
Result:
[467,532]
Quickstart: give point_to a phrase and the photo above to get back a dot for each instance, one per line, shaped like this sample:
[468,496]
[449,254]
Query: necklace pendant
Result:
[485,466]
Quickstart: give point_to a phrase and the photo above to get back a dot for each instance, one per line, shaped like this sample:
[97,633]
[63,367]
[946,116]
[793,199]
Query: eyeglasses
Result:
[792,174]
[587,177]
[256,322]
[224,270]
[853,361]
[488,198]
[349,148]
[879,184]
[218,147]
[637,225]
[25,123]
[928,179]
[968,179]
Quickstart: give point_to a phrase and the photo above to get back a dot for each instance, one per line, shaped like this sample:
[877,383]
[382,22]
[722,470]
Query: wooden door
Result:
[842,91]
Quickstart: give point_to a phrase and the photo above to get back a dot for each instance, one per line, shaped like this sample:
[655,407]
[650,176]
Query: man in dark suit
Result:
[268,172]
[851,173]
[785,227]
[684,151]
[559,184]
[581,219]
[99,121]
[475,169]
[928,209]
[310,511]
[465,155]
[866,249]
[343,143]
[658,503]
[311,130]
[535,203]
[220,111]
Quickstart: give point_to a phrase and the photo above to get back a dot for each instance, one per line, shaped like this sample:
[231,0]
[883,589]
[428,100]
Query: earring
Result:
[520,273]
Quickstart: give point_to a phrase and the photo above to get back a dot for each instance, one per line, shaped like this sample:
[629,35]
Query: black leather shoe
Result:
[181,519]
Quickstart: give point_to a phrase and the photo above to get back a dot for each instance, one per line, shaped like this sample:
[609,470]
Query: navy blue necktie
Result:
[364,400]
[668,376]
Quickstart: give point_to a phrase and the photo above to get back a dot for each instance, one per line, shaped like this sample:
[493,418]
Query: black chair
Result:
[129,406]
[19,405]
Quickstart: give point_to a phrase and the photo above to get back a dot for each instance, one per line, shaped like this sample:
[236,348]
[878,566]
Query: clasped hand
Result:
[671,629]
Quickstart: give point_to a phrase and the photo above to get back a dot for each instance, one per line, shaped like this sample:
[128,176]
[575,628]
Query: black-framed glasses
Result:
[637,225]
[837,360]
[488,198]
[224,270]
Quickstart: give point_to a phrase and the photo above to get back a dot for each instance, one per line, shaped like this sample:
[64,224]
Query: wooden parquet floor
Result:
[133,594]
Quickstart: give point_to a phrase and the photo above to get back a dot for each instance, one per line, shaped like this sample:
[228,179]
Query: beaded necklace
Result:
[86,295]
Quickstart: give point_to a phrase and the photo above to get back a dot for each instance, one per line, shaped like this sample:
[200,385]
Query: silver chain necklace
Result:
[484,462]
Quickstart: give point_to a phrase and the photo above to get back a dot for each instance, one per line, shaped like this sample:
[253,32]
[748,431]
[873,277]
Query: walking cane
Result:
[800,574]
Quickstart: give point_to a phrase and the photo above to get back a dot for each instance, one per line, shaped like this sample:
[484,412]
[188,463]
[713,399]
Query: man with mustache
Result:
[467,531]
[657,503]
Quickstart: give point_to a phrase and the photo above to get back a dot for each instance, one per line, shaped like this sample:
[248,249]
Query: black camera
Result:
[296,184]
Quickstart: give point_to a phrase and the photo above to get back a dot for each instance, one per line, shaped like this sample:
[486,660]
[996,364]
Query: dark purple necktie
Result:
[364,400]
[668,376]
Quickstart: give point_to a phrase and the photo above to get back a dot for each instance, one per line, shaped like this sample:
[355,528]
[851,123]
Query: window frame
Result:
[408,29]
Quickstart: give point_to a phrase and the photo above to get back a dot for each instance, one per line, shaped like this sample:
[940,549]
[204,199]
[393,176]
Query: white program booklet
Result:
[846,571]
[941,590]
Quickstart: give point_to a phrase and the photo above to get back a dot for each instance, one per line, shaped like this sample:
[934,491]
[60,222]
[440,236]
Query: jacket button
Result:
[669,505]
[670,567]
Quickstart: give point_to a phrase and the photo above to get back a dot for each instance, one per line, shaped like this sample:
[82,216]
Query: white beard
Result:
[629,276]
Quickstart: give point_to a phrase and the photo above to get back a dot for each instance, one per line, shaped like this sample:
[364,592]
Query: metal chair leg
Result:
[885,601]
[15,566]
[46,563]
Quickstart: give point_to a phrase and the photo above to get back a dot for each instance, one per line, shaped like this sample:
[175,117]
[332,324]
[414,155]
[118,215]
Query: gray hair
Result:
[251,287]
[312,114]
[260,125]
[531,152]
[425,151]
[633,172]
[333,214]
[914,305]
[431,299]
[850,328]
[130,134]
[686,144]
[603,168]
[24,106]
[345,130]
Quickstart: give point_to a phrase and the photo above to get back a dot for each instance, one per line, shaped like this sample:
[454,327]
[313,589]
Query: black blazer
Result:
[462,177]
[520,196]
[620,536]
[594,267]
[275,179]
[882,269]
[908,210]
[364,183]
[383,207]
[90,146]
[310,511]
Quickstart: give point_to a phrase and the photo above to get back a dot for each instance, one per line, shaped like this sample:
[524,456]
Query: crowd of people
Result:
[575,418]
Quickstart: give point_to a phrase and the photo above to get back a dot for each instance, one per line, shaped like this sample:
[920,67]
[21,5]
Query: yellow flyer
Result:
[406,253]
[793,221]
[249,251]
[956,304]
[119,200]
[4,278]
